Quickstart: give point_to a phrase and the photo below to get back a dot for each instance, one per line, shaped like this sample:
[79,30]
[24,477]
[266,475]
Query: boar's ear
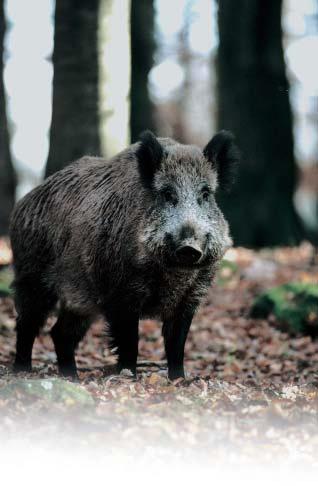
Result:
[149,155]
[224,156]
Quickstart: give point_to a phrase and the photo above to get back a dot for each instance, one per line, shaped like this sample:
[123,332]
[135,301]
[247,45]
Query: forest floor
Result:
[251,390]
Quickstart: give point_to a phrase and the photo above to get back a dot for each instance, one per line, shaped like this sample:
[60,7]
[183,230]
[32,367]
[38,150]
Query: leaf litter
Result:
[251,388]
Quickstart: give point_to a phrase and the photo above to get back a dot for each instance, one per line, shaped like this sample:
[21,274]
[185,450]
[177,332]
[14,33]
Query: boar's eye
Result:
[169,195]
[205,193]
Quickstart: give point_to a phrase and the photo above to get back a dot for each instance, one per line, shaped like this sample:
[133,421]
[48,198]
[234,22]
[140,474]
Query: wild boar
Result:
[137,236]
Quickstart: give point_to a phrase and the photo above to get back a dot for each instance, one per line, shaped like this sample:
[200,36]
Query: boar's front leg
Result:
[68,331]
[124,337]
[175,331]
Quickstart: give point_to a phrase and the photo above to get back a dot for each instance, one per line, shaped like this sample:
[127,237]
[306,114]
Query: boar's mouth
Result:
[206,260]
[188,254]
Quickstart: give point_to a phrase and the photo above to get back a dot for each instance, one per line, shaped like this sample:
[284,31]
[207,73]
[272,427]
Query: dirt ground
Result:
[251,388]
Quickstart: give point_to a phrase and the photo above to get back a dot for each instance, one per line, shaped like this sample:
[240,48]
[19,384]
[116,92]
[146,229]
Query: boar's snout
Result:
[188,254]
[188,245]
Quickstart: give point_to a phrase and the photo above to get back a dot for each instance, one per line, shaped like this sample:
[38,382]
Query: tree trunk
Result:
[75,121]
[142,52]
[7,174]
[114,75]
[253,102]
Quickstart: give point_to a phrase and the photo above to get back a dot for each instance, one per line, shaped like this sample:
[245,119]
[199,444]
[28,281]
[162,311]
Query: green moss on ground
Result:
[6,277]
[295,305]
[53,390]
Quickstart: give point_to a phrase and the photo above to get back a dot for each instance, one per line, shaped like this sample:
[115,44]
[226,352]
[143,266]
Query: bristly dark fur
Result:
[224,155]
[138,235]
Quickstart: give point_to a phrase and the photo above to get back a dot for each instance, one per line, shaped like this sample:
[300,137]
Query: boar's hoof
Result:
[175,373]
[20,367]
[129,371]
[69,373]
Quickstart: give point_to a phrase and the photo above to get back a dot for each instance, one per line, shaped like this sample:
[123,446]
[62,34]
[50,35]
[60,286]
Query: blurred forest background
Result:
[86,77]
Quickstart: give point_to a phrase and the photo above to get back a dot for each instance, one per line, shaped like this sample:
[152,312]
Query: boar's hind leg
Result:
[33,306]
[124,337]
[175,333]
[28,325]
[68,331]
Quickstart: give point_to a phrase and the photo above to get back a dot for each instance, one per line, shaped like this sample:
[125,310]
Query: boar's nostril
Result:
[188,254]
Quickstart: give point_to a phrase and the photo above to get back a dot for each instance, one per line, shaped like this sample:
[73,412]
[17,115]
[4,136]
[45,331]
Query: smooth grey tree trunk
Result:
[7,174]
[253,102]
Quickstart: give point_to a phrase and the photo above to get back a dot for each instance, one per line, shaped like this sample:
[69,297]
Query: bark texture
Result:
[75,121]
[253,102]
[142,52]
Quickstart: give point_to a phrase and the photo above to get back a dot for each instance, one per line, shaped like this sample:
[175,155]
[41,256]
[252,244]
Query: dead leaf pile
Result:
[251,389]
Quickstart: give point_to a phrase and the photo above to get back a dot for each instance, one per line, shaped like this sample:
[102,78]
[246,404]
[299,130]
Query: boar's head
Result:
[183,224]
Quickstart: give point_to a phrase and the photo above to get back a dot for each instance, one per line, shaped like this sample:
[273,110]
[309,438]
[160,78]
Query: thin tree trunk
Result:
[253,102]
[114,75]
[7,174]
[142,52]
[75,121]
